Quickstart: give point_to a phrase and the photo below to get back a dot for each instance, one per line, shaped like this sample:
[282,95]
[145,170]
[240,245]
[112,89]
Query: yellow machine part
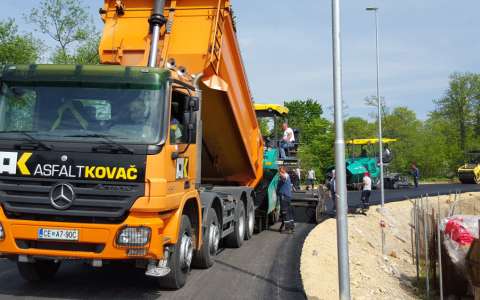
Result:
[200,36]
[469,173]
[370,141]
[279,109]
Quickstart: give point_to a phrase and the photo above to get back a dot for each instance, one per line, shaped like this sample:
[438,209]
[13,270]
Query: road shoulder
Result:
[373,276]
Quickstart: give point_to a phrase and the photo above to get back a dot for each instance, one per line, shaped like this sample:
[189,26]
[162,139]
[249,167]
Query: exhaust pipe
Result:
[157,20]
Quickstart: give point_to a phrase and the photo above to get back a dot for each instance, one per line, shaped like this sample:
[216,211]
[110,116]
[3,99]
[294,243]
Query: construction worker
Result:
[137,111]
[284,193]
[133,120]
[299,178]
[287,141]
[366,190]
[310,179]
[363,152]
[415,174]
[175,131]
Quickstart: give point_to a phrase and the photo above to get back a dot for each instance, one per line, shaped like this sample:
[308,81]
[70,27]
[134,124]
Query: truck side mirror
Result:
[190,126]
[194,103]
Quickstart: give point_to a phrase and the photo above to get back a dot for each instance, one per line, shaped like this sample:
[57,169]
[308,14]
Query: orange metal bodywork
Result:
[200,36]
[101,234]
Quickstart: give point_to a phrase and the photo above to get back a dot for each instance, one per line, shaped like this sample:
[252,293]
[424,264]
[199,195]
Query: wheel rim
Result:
[241,224]
[214,239]
[251,221]
[186,251]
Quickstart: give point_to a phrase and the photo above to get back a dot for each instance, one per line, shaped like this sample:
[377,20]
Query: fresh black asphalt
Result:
[265,267]
[411,192]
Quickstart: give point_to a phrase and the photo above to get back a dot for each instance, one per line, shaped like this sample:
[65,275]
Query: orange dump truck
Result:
[153,156]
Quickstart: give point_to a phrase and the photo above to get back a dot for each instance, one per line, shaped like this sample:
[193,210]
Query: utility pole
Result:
[340,180]
[379,107]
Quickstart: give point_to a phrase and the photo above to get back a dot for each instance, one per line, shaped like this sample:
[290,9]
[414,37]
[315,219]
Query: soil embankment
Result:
[373,275]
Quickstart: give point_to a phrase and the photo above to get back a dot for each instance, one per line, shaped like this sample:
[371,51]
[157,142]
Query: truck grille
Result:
[62,246]
[95,202]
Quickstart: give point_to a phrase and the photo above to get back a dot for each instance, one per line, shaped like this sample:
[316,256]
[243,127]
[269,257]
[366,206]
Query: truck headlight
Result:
[2,232]
[134,236]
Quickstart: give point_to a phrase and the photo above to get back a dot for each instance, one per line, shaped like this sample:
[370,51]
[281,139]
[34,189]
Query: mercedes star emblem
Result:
[62,196]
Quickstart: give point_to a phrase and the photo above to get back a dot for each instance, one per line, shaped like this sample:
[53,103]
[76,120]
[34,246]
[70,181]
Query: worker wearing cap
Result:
[367,189]
[284,193]
[175,131]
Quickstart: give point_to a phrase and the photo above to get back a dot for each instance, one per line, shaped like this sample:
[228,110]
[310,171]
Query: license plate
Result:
[58,234]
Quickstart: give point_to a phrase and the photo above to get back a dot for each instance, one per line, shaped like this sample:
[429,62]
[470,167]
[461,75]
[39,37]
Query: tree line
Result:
[437,144]
[66,23]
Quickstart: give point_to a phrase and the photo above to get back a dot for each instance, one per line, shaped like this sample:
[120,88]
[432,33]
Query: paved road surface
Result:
[266,267]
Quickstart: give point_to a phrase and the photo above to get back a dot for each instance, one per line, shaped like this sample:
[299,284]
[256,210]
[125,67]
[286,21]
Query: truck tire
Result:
[39,270]
[180,259]
[203,258]
[250,220]
[235,239]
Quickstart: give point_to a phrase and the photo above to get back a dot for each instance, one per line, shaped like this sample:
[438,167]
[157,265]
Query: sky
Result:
[287,50]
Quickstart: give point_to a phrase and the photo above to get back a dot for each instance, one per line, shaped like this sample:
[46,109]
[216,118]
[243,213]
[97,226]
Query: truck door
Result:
[182,137]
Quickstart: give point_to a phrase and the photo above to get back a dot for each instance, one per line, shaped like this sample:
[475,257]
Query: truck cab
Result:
[87,145]
[152,157]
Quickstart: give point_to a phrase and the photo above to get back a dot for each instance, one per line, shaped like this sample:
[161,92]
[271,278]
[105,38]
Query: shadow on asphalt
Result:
[275,274]
[267,280]
[75,281]
[286,269]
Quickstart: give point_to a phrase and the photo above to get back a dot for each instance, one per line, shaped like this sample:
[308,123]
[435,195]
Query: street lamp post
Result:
[340,178]
[380,134]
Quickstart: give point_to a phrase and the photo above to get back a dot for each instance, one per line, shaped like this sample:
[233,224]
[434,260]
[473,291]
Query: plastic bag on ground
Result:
[459,231]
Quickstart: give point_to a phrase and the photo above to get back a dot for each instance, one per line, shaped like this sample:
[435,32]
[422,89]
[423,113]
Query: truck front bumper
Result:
[95,241]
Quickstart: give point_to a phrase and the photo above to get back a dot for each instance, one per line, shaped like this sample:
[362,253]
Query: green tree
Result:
[16,48]
[460,105]
[264,128]
[402,124]
[316,134]
[358,128]
[68,23]
[440,153]
[85,54]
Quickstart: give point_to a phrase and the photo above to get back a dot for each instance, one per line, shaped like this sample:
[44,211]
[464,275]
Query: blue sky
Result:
[286,46]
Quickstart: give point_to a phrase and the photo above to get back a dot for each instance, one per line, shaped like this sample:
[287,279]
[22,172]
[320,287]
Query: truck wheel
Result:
[235,239]
[180,259]
[211,239]
[39,270]
[250,220]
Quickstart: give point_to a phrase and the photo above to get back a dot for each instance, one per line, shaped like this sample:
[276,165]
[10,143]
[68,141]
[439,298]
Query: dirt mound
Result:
[373,276]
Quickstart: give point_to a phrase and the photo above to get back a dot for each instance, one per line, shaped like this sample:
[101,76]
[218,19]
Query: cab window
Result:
[178,134]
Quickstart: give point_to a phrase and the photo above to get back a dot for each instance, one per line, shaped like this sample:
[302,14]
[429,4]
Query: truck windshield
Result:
[81,112]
